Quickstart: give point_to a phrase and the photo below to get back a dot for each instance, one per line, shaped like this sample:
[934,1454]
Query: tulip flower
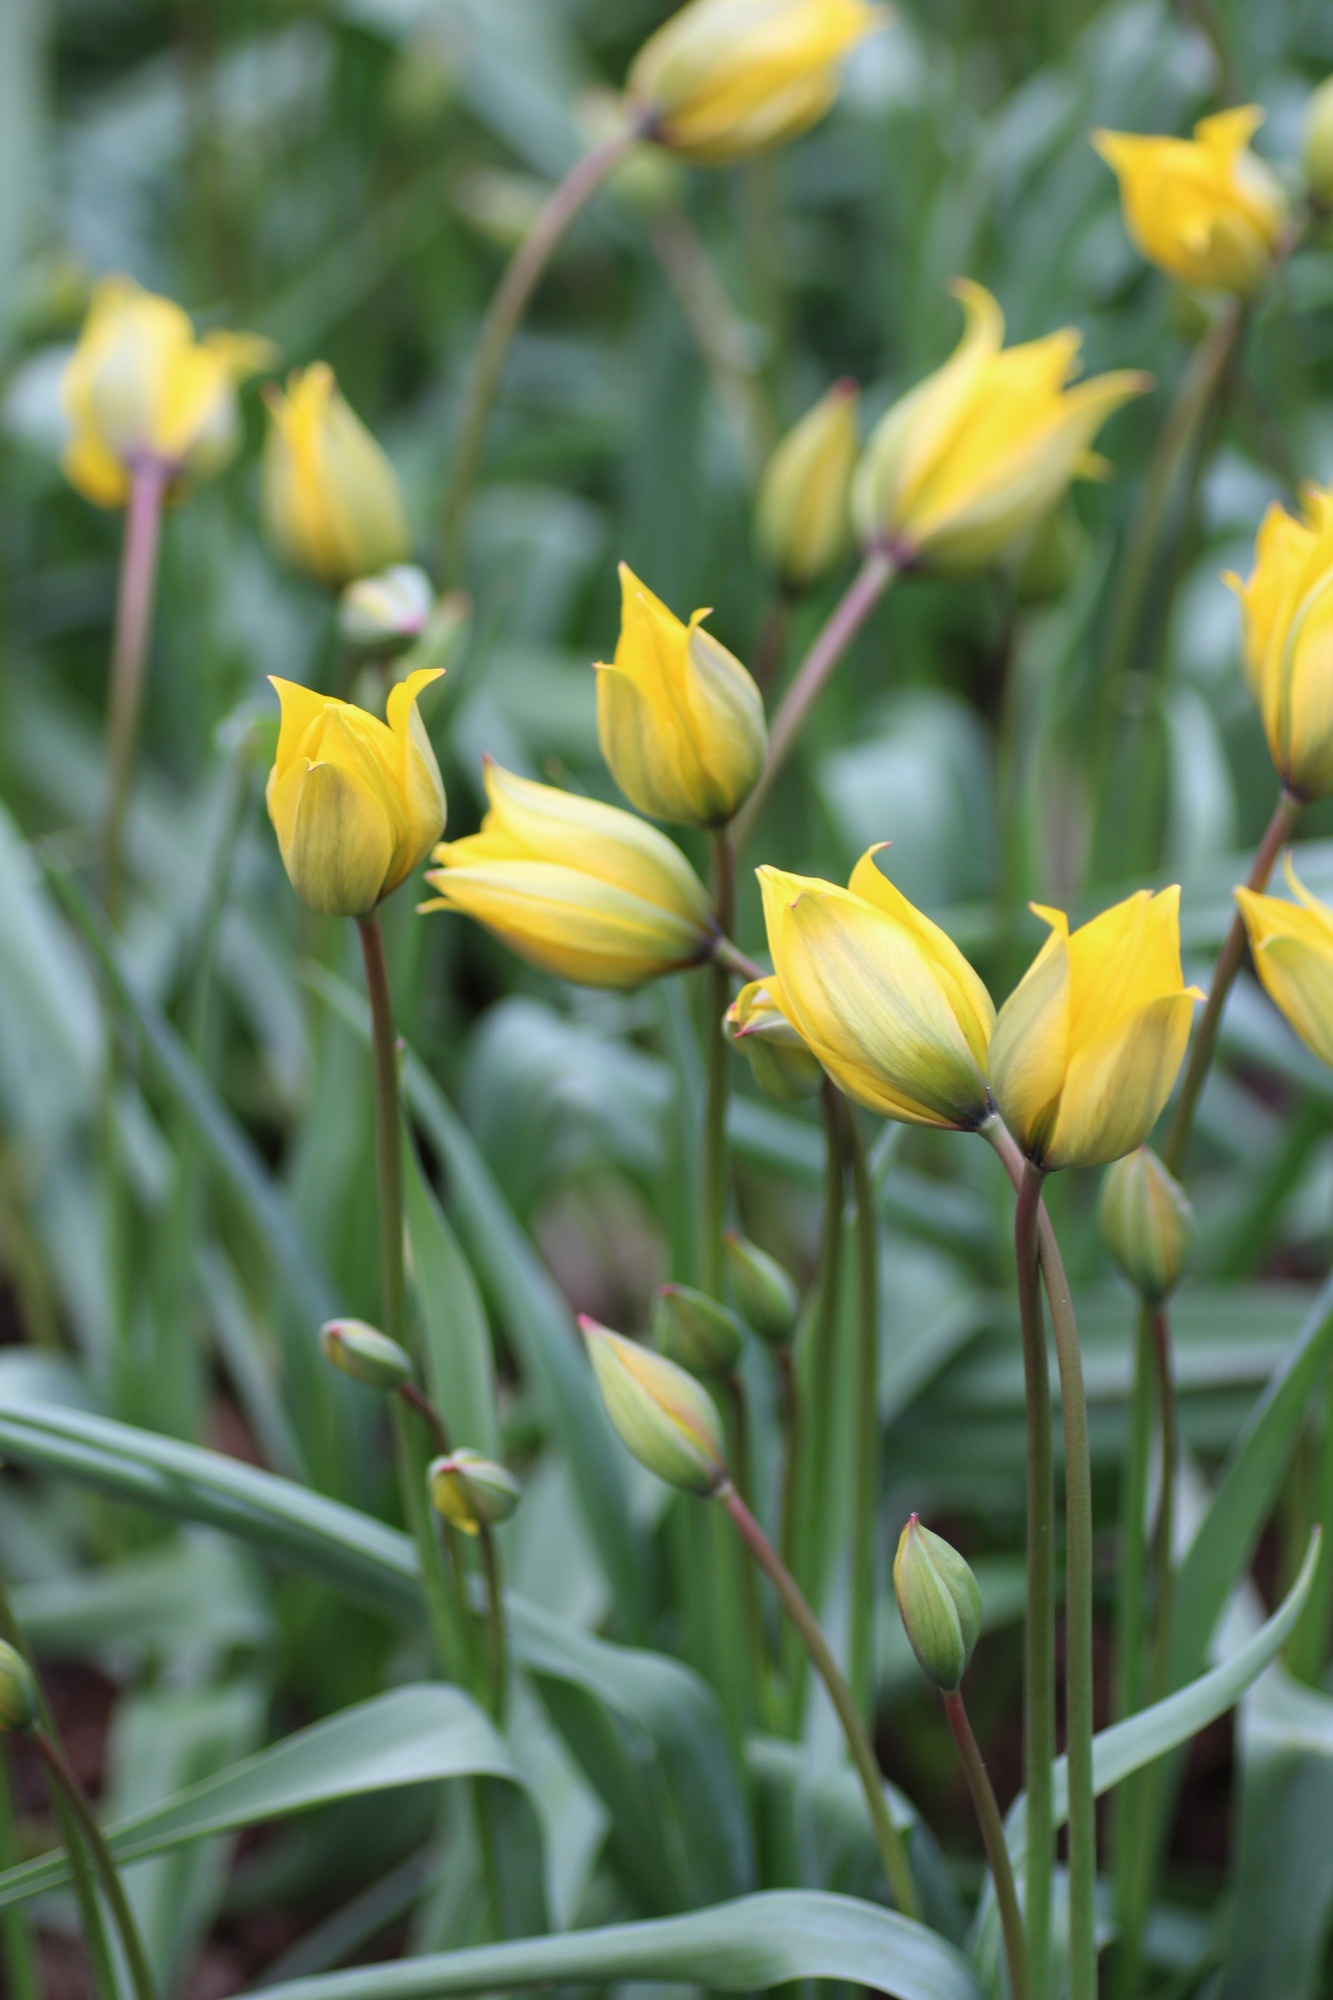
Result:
[581,889]
[783,1066]
[140,390]
[1205,210]
[1287,612]
[803,521]
[726,78]
[331,500]
[356,803]
[680,721]
[976,454]
[1087,1047]
[1292,947]
[882,998]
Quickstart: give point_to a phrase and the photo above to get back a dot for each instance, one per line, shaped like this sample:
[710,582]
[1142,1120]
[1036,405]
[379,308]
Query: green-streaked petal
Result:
[1116,1086]
[1029,1048]
[340,841]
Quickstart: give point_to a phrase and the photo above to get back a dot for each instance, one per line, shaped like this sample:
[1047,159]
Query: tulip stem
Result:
[1228,964]
[68,1786]
[1133,1514]
[495,1618]
[1165,1531]
[717,995]
[997,1848]
[388,1129]
[429,1415]
[723,340]
[505,311]
[865,1475]
[876,573]
[20,1956]
[892,1849]
[129,658]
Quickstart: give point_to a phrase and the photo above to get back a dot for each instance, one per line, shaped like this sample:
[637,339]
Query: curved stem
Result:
[429,1416]
[112,1887]
[770,644]
[718,993]
[1133,1513]
[506,309]
[723,340]
[738,1453]
[997,1848]
[814,673]
[495,1620]
[1164,1541]
[892,1850]
[865,1472]
[1224,972]
[388,1130]
[129,658]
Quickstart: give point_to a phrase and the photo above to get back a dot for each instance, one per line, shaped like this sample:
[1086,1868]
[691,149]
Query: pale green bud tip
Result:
[696,1331]
[471,1491]
[761,1290]
[384,613]
[1147,1223]
[1317,147]
[662,1414]
[940,1604]
[365,1354]
[18,1693]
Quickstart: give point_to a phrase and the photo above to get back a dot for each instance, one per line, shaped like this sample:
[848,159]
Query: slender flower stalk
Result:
[69,1789]
[129,660]
[1133,1512]
[1165,1532]
[498,1643]
[723,341]
[997,1849]
[19,1948]
[865,1473]
[717,995]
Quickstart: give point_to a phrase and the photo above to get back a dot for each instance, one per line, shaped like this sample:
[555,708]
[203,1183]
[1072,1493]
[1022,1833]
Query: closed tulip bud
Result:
[694,1330]
[1317,145]
[365,1354]
[726,78]
[971,458]
[1147,1224]
[1287,616]
[581,889]
[1205,210]
[940,1604]
[1292,947]
[472,1492]
[331,500]
[140,391]
[764,1295]
[385,614]
[783,1066]
[662,1414]
[885,1001]
[356,803]
[804,516]
[19,1708]
[1088,1046]
[680,721]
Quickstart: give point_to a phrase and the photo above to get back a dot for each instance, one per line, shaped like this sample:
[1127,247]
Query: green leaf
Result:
[459,1365]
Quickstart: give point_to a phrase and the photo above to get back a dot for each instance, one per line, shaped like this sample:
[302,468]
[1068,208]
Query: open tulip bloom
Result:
[1205,210]
[1292,947]
[1287,609]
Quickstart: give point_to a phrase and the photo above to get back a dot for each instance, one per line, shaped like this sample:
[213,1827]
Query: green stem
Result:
[20,1956]
[112,1887]
[789,1395]
[718,993]
[1224,972]
[502,319]
[1133,1514]
[129,658]
[723,340]
[388,1130]
[495,1621]
[1165,1533]
[893,1852]
[738,1457]
[429,1416]
[865,1472]
[820,1379]
[997,1848]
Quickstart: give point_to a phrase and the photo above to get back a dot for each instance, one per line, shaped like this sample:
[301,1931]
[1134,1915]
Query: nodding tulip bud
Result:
[662,1414]
[1292,947]
[1317,145]
[764,1295]
[19,1710]
[782,1064]
[1205,210]
[472,1492]
[1147,1223]
[940,1604]
[696,1331]
[331,500]
[386,614]
[365,1354]
[803,520]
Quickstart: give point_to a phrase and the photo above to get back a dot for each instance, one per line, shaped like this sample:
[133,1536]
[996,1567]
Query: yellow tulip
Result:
[140,391]
[356,803]
[804,518]
[681,723]
[581,889]
[976,454]
[1087,1047]
[332,503]
[1205,210]
[726,78]
[1317,145]
[661,1413]
[881,997]
[1292,946]
[783,1066]
[1287,610]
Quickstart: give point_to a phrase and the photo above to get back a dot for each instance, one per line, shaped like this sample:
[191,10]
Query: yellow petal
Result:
[340,841]
[967,992]
[1117,1084]
[418,775]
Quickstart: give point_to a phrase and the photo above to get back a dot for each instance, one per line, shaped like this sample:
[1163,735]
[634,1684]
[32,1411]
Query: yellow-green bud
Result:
[18,1693]
[1148,1224]
[764,1295]
[384,614]
[666,1418]
[940,1604]
[365,1354]
[803,521]
[1317,145]
[471,1491]
[696,1331]
[783,1066]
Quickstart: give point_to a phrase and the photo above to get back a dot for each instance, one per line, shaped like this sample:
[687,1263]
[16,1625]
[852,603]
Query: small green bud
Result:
[696,1331]
[18,1693]
[471,1491]
[365,1354]
[783,1066]
[764,1295]
[940,1604]
[666,1418]
[803,521]
[385,613]
[1148,1224]
[1317,145]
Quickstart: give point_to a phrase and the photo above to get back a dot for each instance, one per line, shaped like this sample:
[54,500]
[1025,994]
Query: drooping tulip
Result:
[1205,210]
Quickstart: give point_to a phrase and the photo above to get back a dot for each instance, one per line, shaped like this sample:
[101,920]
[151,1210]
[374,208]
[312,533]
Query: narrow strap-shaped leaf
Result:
[460,1372]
